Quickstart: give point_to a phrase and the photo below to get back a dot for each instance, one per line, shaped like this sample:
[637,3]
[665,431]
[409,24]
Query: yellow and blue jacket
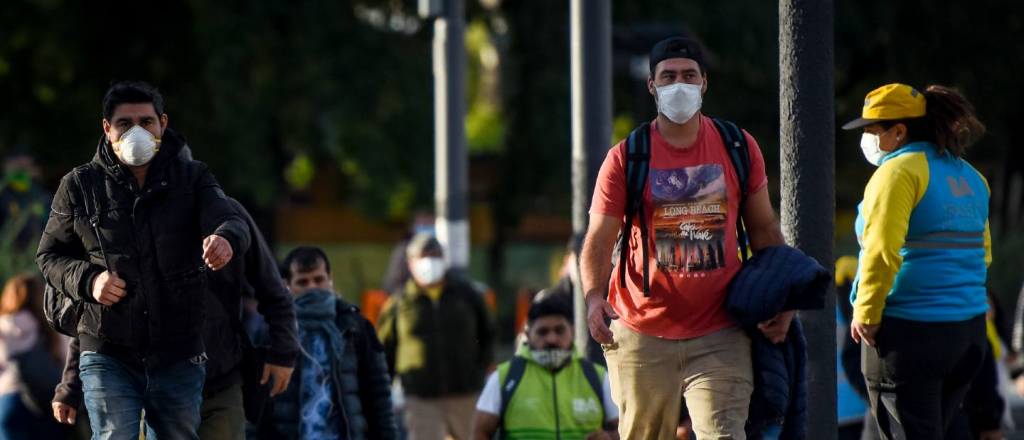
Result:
[925,240]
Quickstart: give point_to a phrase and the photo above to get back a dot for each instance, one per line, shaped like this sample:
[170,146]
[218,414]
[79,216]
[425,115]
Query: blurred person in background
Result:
[21,195]
[439,339]
[340,388]
[919,299]
[397,273]
[31,356]
[547,391]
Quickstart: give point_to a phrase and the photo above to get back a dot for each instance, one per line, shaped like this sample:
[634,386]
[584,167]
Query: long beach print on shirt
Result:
[690,210]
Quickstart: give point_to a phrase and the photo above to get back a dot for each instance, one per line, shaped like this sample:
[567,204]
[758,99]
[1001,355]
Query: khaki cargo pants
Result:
[650,376]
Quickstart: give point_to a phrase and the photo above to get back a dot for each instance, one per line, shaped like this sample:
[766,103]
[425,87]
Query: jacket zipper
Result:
[554,393]
[335,373]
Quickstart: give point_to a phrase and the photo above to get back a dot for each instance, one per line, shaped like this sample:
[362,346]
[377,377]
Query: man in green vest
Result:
[549,391]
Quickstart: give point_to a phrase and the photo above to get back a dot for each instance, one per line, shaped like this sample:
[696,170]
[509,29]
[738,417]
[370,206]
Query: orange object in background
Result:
[523,300]
[372,304]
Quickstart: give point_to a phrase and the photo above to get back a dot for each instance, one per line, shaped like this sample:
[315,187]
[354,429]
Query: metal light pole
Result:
[451,162]
[808,181]
[591,46]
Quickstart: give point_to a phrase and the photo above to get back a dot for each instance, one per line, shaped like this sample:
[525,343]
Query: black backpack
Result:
[61,309]
[638,162]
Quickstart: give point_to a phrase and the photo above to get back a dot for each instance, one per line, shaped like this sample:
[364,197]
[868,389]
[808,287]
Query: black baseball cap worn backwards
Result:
[676,47]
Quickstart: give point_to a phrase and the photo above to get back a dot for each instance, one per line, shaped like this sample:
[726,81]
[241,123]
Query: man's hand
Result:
[282,376]
[64,413]
[597,310]
[775,329]
[217,252]
[108,289]
[860,331]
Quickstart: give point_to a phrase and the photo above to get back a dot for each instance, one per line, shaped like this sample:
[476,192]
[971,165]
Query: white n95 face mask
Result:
[428,271]
[137,146]
[552,358]
[870,144]
[679,101]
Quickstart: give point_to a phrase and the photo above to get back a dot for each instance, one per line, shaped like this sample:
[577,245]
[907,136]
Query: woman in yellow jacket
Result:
[919,297]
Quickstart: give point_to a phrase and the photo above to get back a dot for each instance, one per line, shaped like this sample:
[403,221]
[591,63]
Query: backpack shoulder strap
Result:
[516,369]
[596,384]
[83,175]
[638,162]
[735,143]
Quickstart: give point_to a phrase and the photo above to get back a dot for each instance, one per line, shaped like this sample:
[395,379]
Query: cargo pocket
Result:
[183,305]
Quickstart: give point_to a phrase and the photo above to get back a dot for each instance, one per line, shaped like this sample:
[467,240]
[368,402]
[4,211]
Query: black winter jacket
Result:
[255,274]
[360,379]
[153,237]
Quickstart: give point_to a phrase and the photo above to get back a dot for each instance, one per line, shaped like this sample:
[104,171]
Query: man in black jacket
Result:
[130,238]
[253,275]
[341,388]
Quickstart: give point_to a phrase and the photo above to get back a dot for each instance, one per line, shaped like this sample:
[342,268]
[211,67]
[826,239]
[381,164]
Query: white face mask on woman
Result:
[679,101]
[871,145]
[137,146]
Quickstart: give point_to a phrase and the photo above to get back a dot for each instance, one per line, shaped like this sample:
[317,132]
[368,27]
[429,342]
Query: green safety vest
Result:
[542,405]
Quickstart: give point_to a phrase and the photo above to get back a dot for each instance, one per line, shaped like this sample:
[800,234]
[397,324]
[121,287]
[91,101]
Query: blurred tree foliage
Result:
[272,93]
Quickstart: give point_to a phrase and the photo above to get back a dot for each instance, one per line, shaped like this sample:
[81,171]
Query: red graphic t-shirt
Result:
[691,202]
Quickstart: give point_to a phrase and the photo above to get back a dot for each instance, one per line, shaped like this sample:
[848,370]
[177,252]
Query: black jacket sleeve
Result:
[69,390]
[272,297]
[217,217]
[61,254]
[487,332]
[375,385]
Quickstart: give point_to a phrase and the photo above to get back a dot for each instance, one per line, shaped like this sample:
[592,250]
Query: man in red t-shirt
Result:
[679,342]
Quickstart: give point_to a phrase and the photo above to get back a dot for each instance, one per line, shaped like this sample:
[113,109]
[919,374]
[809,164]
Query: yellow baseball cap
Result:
[890,102]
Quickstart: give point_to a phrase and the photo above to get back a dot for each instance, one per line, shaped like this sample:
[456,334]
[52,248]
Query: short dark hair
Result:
[306,258]
[131,92]
[550,305]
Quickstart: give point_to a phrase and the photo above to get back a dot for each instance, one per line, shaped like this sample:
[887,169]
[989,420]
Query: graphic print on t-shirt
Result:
[690,210]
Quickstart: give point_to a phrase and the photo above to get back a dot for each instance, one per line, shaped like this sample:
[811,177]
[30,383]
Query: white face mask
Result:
[137,146]
[552,358]
[428,271]
[870,144]
[679,101]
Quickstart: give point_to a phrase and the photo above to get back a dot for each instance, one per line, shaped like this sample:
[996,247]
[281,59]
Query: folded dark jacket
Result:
[777,279]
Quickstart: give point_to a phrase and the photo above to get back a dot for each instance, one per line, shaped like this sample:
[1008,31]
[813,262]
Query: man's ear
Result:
[704,88]
[106,130]
[651,88]
[163,124]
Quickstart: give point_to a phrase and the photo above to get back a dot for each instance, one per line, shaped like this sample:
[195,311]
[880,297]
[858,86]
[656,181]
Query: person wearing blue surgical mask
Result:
[919,297]
[439,340]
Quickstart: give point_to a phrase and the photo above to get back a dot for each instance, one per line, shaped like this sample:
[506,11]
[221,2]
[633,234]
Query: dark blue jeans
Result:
[117,393]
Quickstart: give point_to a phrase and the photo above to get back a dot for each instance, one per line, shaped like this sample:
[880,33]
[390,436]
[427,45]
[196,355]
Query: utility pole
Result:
[451,162]
[591,47]
[807,134]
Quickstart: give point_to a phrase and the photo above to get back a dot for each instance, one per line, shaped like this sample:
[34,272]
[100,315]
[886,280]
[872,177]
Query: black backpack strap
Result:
[590,372]
[516,369]
[736,145]
[638,162]
[85,175]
